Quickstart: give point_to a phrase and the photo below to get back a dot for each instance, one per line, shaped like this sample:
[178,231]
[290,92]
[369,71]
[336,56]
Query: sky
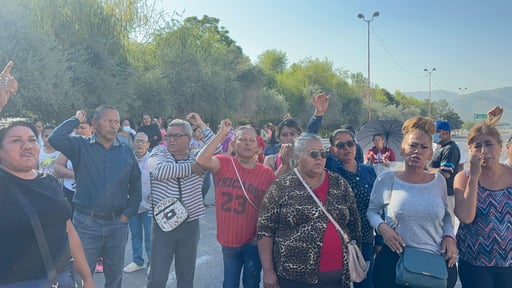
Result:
[469,42]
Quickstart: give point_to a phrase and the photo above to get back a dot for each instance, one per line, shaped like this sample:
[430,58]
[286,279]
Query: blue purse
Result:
[421,269]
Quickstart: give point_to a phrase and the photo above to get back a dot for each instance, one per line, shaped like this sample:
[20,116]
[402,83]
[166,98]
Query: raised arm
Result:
[206,158]
[465,188]
[321,102]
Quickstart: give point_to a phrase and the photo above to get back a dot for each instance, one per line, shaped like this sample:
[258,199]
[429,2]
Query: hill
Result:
[475,102]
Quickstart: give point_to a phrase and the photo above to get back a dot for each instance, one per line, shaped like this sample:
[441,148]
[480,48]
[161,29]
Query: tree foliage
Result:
[78,54]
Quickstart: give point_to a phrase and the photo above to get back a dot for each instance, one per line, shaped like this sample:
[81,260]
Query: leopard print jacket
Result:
[291,217]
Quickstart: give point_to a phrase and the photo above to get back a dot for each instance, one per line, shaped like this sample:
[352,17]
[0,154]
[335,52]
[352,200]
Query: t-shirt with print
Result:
[236,217]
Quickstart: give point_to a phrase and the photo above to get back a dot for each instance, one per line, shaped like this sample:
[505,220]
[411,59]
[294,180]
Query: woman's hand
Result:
[449,249]
[286,153]
[494,115]
[88,284]
[8,85]
[475,164]
[321,102]
[270,279]
[391,238]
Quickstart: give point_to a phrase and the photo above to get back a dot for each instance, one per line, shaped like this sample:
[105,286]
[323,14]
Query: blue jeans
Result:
[140,229]
[368,255]
[236,258]
[105,238]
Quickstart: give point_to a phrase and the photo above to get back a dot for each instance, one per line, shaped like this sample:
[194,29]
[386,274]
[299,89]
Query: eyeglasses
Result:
[315,153]
[342,145]
[137,141]
[174,136]
[286,134]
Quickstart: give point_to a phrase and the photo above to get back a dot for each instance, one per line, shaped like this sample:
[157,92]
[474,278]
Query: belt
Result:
[100,215]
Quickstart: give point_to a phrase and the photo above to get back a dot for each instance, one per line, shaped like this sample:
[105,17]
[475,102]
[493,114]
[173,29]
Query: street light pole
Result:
[462,90]
[429,90]
[361,16]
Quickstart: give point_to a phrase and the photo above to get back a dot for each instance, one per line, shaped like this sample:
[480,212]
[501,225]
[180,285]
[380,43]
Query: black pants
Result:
[472,276]
[384,270]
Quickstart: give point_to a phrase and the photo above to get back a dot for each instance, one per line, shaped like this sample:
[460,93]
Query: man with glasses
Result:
[175,173]
[140,223]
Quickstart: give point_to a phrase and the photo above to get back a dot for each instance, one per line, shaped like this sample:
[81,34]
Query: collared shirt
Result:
[107,180]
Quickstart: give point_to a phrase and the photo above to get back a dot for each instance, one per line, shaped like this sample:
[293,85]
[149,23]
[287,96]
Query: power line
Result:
[393,58]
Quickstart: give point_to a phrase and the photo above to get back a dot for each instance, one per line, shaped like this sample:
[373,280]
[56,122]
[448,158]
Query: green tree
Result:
[45,89]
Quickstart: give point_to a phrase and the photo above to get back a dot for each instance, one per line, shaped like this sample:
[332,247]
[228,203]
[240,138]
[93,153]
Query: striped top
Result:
[166,172]
[487,241]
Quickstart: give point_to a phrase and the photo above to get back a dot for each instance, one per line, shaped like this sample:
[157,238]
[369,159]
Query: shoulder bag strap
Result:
[345,236]
[242,184]
[38,231]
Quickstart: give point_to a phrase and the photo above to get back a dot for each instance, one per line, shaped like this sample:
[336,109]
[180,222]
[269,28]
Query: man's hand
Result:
[196,120]
[81,115]
[124,219]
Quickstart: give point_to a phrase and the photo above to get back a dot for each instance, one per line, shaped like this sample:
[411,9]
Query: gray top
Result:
[418,212]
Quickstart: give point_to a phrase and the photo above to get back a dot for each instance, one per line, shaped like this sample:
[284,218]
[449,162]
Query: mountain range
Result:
[477,102]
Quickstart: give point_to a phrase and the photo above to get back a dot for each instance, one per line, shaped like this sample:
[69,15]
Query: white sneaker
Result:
[132,267]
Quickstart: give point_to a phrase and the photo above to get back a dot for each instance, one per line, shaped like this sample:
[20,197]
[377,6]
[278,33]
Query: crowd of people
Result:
[281,198]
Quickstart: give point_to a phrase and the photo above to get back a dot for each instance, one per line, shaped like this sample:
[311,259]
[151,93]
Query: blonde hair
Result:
[424,124]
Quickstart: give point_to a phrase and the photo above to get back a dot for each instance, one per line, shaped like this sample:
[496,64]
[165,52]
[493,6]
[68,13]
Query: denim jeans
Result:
[180,243]
[368,255]
[105,238]
[236,258]
[140,229]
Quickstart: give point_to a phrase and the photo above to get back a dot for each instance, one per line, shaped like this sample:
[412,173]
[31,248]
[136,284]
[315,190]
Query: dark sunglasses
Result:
[315,153]
[342,145]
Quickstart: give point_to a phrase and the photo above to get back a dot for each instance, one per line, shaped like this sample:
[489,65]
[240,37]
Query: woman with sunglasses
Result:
[341,160]
[278,157]
[299,246]
[416,205]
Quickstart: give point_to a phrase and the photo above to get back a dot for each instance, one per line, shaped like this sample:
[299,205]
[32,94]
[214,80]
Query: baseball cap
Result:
[443,125]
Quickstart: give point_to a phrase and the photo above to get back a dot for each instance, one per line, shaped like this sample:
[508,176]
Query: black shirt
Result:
[20,259]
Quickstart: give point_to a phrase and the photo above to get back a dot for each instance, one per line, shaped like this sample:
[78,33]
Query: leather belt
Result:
[100,215]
